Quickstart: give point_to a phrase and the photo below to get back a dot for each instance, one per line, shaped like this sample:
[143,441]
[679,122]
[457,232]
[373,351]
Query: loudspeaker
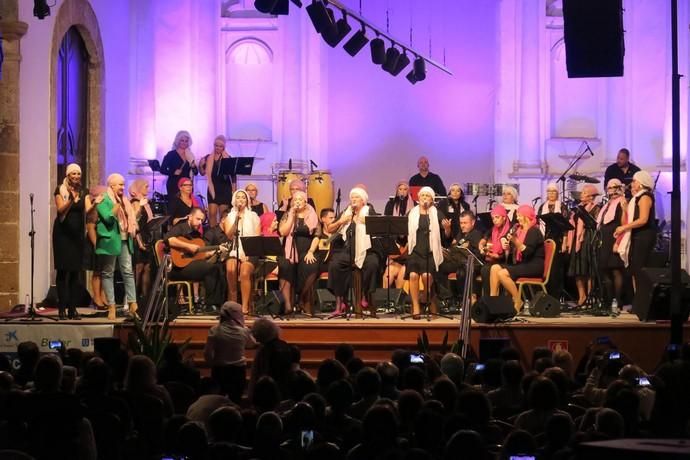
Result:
[652,299]
[381,296]
[270,304]
[325,299]
[593,36]
[490,309]
[545,306]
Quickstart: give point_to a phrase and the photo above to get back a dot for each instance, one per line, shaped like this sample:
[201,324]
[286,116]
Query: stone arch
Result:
[80,14]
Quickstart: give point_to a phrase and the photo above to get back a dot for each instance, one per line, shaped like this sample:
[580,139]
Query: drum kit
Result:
[491,191]
[319,185]
[573,181]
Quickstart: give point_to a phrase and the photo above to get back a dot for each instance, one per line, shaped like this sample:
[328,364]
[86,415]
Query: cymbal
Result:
[583,178]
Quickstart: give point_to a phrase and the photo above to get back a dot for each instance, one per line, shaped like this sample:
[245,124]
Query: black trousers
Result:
[210,274]
[67,284]
[340,273]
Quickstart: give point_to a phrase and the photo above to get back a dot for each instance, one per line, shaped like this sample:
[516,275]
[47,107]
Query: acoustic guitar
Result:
[181,258]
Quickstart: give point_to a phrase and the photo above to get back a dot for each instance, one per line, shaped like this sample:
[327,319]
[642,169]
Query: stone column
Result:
[12,31]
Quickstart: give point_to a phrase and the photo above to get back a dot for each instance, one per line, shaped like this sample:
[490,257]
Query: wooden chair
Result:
[159,250]
[549,252]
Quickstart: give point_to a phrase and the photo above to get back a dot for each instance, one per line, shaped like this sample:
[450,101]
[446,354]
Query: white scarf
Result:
[250,222]
[362,240]
[434,234]
[624,245]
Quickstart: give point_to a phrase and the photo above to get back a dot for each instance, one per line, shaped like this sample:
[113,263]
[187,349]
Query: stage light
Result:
[342,28]
[275,7]
[392,56]
[378,51]
[403,61]
[265,6]
[319,17]
[411,78]
[41,9]
[419,69]
[355,44]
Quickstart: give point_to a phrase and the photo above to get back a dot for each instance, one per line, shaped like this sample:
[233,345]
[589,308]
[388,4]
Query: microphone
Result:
[535,201]
[313,165]
[290,164]
[31,197]
[591,153]
[474,200]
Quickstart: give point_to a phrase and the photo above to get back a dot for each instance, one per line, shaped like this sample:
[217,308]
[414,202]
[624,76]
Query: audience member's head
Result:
[389,374]
[413,378]
[475,406]
[560,379]
[453,366]
[301,384]
[564,360]
[512,374]
[225,424]
[318,403]
[491,376]
[354,365]
[300,418]
[610,423]
[344,352]
[48,374]
[192,441]
[264,330]
[141,373]
[266,395]
[542,395]
[171,429]
[379,427]
[96,376]
[269,429]
[518,442]
[540,352]
[541,364]
[68,383]
[445,391]
[171,354]
[368,383]
[510,353]
[469,442]
[409,404]
[339,396]
[329,371]
[559,431]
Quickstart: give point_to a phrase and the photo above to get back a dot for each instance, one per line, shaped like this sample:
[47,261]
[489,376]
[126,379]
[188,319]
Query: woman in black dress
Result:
[527,250]
[424,234]
[452,206]
[257,206]
[582,246]
[298,268]
[69,233]
[220,186]
[179,162]
[143,257]
[611,217]
[638,244]
[181,203]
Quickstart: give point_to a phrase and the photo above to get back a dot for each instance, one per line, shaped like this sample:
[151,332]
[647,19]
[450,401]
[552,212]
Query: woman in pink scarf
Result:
[527,249]
[581,245]
[298,269]
[610,263]
[491,246]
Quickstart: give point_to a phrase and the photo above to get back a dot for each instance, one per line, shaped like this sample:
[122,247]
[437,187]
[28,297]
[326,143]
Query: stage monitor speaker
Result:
[325,299]
[545,306]
[652,299]
[381,296]
[593,36]
[490,309]
[270,304]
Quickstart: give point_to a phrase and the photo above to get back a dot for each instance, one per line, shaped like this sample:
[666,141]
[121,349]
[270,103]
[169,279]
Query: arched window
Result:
[249,90]
[71,97]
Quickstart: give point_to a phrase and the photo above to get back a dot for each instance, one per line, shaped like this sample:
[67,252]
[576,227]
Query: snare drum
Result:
[476,189]
[283,184]
[497,189]
[320,189]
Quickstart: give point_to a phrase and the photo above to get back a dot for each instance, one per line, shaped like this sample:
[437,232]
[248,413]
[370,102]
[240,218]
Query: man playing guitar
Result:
[179,238]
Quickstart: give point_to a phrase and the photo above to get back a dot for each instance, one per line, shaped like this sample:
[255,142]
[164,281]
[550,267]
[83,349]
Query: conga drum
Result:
[320,189]
[497,189]
[476,189]
[283,184]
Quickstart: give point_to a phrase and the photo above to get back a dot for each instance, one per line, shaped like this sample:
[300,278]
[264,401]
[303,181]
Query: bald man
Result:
[426,178]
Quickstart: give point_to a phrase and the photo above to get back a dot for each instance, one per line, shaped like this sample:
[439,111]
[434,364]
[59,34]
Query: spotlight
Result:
[276,7]
[378,51]
[411,78]
[419,69]
[403,62]
[265,6]
[41,9]
[319,16]
[392,56]
[342,28]
[356,42]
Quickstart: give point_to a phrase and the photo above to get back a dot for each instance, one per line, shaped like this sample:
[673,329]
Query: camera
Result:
[307,438]
[614,355]
[643,381]
[55,344]
[416,358]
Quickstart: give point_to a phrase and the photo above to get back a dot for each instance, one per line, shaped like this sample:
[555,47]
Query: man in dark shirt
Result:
[426,178]
[178,237]
[622,170]
[455,259]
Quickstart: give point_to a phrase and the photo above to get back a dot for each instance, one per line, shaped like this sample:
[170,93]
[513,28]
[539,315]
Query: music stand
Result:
[261,247]
[155,167]
[557,224]
[153,229]
[588,220]
[384,229]
[485,221]
[239,166]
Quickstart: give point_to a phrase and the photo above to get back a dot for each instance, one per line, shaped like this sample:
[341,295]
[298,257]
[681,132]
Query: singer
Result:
[526,246]
[510,202]
[179,162]
[454,205]
[401,203]
[298,268]
[426,253]
[181,203]
[356,252]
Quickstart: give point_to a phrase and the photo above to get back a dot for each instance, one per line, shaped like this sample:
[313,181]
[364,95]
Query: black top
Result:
[171,163]
[402,211]
[178,208]
[473,237]
[651,224]
[258,209]
[422,247]
[181,229]
[615,172]
[431,180]
[453,208]
[534,245]
[69,235]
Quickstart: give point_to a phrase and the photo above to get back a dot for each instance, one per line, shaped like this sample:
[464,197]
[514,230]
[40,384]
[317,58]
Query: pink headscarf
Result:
[530,214]
[579,235]
[496,232]
[267,219]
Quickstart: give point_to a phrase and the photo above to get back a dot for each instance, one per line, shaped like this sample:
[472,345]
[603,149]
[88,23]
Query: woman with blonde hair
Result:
[220,186]
[138,196]
[580,244]
[179,162]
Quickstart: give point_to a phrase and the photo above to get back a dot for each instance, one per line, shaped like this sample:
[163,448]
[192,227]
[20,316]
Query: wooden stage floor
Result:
[375,338]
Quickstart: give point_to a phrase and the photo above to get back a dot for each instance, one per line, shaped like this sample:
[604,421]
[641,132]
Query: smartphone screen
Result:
[54,344]
[307,438]
[643,381]
[614,355]
[479,367]
[416,358]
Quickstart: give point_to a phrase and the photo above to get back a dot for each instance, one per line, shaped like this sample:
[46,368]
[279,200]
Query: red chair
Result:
[159,251]
[549,252]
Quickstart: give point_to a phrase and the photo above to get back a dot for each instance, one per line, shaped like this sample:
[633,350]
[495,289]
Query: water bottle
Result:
[525,308]
[614,307]
[26,303]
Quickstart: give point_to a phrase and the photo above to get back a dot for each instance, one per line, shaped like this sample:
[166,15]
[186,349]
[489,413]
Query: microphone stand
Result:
[238,286]
[571,166]
[31,314]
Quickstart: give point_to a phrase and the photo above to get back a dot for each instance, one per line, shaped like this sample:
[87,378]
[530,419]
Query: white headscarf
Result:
[250,222]
[64,187]
[434,227]
[647,183]
[362,240]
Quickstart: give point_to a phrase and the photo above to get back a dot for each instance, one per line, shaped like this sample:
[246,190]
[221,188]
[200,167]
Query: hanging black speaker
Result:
[593,36]
[490,309]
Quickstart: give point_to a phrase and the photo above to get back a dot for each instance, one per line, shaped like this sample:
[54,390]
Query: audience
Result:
[434,410]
